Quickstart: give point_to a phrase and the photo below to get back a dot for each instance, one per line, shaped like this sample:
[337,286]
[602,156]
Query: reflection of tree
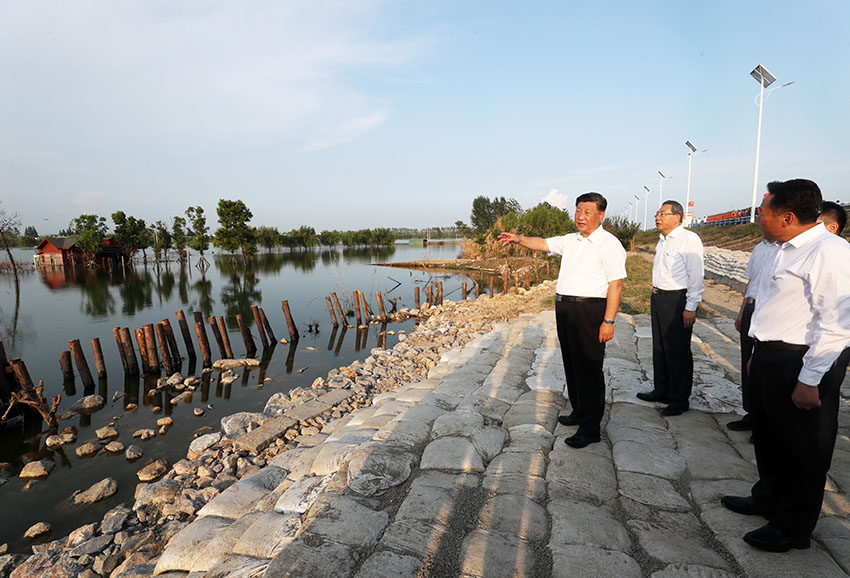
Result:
[95,287]
[136,292]
[166,284]
[203,287]
[329,256]
[366,254]
[238,297]
[183,284]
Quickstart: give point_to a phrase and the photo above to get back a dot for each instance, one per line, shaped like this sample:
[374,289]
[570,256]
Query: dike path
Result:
[465,473]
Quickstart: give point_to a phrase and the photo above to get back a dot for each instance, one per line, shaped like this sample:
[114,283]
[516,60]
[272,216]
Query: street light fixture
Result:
[637,204]
[765,79]
[661,187]
[691,153]
[645,207]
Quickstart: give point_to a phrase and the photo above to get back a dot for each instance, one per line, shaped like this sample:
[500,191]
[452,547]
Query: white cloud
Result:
[556,199]
[346,131]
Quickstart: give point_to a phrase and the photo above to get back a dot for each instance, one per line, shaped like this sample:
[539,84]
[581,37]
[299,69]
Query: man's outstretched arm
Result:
[534,243]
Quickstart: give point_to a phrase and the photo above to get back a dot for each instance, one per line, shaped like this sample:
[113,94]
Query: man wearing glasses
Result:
[677,287]
[593,266]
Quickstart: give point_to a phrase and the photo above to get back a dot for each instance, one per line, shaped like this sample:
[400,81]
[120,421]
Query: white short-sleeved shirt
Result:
[761,260]
[588,264]
[678,264]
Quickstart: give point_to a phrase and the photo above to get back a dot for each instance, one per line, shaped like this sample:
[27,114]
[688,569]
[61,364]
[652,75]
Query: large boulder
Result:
[100,491]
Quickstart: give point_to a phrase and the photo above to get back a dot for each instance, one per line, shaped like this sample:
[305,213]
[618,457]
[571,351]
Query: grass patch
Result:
[637,286]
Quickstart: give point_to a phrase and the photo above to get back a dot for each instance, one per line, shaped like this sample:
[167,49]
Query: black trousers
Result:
[672,360]
[578,331]
[747,344]
[793,447]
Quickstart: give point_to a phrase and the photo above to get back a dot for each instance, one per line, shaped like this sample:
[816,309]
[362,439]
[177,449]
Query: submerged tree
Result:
[179,236]
[268,237]
[235,233]
[198,238]
[130,233]
[91,229]
[9,225]
[161,240]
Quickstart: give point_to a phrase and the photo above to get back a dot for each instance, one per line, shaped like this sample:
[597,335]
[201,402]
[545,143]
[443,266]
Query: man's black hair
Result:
[676,209]
[601,202]
[834,213]
[799,196]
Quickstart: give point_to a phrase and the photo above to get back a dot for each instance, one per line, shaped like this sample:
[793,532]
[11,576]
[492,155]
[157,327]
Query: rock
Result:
[39,469]
[86,450]
[201,444]
[276,405]
[133,452]
[38,529]
[228,364]
[164,421]
[54,441]
[174,380]
[156,494]
[152,471]
[198,411]
[144,434]
[106,433]
[80,535]
[115,447]
[100,491]
[241,422]
[185,396]
[131,407]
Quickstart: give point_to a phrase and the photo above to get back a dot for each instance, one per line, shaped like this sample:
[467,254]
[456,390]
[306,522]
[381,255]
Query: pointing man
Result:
[677,287]
[593,266]
[801,327]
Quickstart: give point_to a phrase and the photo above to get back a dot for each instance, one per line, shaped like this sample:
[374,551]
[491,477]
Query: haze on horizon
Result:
[348,115]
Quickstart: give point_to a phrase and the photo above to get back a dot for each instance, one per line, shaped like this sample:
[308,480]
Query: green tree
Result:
[179,236]
[304,236]
[199,239]
[235,233]
[130,234]
[268,237]
[30,231]
[161,240]
[482,216]
[91,229]
[544,220]
[330,238]
[382,237]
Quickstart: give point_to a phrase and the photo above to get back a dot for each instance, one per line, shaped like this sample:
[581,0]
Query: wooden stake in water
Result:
[342,318]
[150,347]
[247,339]
[331,312]
[290,324]
[225,338]
[98,356]
[143,350]
[172,343]
[258,321]
[440,293]
[463,291]
[80,361]
[163,348]
[268,326]
[382,314]
[416,300]
[357,316]
[129,352]
[116,332]
[187,337]
[217,336]
[203,343]
[64,364]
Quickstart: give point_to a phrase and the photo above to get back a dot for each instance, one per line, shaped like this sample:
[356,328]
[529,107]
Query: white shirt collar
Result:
[806,236]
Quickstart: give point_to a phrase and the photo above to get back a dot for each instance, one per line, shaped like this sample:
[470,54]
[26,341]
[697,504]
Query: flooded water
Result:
[55,306]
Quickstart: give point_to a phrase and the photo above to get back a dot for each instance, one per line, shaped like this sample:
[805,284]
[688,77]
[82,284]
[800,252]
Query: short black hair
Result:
[799,196]
[834,213]
[601,202]
[676,209]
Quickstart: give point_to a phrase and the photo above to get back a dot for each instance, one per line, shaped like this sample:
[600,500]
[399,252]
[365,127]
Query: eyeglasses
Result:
[662,214]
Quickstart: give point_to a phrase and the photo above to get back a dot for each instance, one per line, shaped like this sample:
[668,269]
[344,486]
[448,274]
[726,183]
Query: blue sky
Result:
[370,113]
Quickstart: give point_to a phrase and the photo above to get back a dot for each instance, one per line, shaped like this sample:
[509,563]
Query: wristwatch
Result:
[608,321]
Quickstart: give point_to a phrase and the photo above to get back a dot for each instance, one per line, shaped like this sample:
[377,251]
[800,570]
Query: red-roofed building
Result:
[61,251]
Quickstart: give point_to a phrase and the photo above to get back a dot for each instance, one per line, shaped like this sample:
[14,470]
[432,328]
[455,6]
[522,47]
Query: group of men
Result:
[795,333]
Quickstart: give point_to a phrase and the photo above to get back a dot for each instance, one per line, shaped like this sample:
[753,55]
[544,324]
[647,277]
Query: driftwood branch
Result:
[24,393]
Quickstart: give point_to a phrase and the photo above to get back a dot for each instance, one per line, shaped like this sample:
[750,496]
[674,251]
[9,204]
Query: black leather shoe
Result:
[580,440]
[743,424]
[746,505]
[774,540]
[567,419]
[652,396]
[672,410]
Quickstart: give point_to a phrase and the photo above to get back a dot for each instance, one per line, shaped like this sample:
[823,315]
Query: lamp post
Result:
[765,79]
[645,207]
[637,204]
[691,153]
[661,187]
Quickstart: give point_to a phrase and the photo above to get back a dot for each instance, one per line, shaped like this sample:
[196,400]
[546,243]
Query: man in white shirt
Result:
[761,259]
[590,281]
[801,327]
[677,288]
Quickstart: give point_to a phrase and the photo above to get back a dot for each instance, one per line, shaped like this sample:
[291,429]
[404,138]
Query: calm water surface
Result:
[53,307]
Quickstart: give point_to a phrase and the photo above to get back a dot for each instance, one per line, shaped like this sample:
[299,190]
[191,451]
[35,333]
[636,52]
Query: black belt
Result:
[574,299]
[656,291]
[778,346]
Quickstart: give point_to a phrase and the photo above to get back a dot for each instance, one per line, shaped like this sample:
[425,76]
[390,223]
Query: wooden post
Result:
[527,280]
[440,293]
[199,318]
[416,300]
[342,318]
[492,285]
[176,360]
[250,347]
[163,348]
[357,315]
[268,326]
[225,338]
[331,312]
[429,293]
[258,321]
[368,314]
[463,291]
[477,289]
[143,350]
[217,335]
[116,332]
[80,360]
[27,395]
[382,313]
[290,324]
[187,337]
[98,356]
[65,364]
[150,346]
[129,352]
[505,281]
[203,343]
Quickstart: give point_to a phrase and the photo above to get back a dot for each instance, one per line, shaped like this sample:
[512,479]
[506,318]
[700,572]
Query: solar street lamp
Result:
[688,213]
[661,187]
[645,207]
